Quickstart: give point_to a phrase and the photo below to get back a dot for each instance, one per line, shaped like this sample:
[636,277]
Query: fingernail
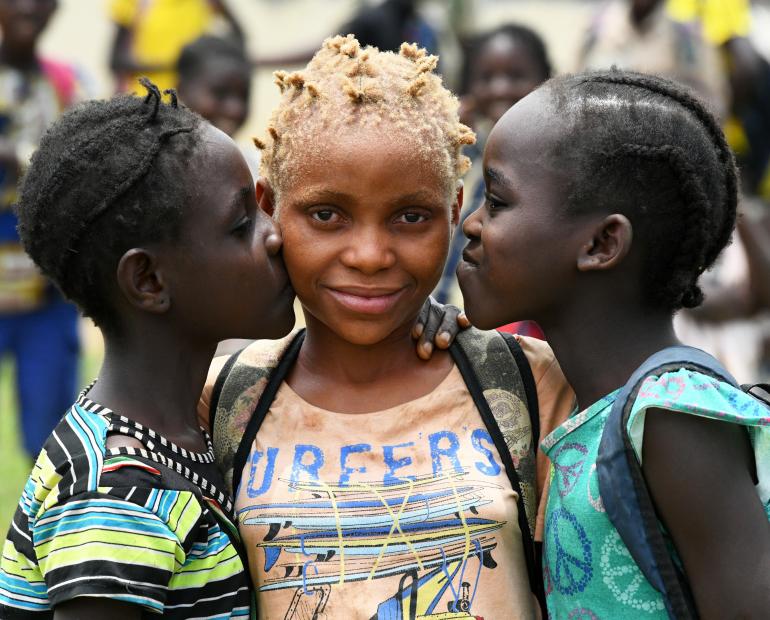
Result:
[427,348]
[418,329]
[443,338]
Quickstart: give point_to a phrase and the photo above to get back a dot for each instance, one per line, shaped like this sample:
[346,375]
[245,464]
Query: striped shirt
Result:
[142,526]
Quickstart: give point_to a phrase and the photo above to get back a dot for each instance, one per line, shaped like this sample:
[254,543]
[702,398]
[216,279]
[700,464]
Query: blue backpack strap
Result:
[623,489]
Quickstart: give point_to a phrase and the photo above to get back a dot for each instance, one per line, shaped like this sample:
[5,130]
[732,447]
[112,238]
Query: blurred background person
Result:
[215,81]
[726,24]
[150,35]
[388,24]
[38,329]
[640,35]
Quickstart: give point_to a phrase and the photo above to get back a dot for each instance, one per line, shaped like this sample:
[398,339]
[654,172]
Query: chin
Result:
[483,318]
[362,333]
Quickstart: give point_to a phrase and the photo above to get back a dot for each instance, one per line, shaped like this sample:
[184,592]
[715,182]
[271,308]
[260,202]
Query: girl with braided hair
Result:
[146,217]
[369,483]
[608,195]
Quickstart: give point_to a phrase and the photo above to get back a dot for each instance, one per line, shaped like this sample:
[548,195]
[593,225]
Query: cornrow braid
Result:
[346,86]
[682,290]
[647,147]
[686,99]
[108,176]
[110,200]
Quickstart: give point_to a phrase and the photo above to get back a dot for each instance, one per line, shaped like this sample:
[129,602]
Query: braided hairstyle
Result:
[647,147]
[344,86]
[107,176]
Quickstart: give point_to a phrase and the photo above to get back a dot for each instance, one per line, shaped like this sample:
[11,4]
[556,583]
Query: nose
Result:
[473,224]
[369,250]
[500,85]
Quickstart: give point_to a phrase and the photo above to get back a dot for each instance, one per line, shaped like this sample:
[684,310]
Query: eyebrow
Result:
[497,177]
[341,197]
[418,196]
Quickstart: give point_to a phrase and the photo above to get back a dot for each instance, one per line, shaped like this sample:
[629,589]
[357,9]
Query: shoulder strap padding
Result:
[622,486]
[496,369]
[495,381]
[242,384]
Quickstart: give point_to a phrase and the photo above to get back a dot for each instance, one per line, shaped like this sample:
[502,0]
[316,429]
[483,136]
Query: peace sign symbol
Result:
[568,553]
[624,579]
[568,461]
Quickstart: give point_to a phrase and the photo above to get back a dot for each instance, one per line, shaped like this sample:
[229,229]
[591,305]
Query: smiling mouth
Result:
[367,301]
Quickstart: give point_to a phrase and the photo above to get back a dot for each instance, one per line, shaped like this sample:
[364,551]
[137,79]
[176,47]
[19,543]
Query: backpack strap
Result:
[496,372]
[624,491]
[245,386]
[530,387]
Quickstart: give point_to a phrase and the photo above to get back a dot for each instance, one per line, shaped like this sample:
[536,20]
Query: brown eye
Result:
[324,215]
[412,218]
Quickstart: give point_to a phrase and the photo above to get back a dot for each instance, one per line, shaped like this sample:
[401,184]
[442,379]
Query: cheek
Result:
[304,257]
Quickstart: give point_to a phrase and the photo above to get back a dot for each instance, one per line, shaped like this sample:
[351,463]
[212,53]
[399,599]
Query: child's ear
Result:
[265,196]
[141,281]
[457,206]
[609,243]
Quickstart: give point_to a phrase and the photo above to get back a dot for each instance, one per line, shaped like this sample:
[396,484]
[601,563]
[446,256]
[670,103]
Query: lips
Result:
[366,300]
[467,258]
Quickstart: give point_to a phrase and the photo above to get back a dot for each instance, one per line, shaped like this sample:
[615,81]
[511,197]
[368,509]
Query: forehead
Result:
[527,138]
[221,68]
[503,47]
[373,162]
[218,165]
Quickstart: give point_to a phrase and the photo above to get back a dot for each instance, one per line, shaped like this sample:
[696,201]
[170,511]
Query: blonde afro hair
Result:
[345,85]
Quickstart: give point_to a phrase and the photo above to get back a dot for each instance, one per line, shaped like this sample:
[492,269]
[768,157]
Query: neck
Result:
[335,361]
[155,379]
[21,58]
[598,348]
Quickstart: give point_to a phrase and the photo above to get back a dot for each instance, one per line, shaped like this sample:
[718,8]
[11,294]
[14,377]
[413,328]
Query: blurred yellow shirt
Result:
[160,29]
[722,19]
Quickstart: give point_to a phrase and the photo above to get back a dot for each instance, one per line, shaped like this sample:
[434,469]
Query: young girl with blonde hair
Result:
[368,482]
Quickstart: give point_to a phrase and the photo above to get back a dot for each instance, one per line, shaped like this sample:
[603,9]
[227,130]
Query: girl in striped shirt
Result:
[145,216]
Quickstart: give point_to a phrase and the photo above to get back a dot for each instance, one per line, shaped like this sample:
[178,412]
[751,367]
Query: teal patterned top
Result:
[589,572]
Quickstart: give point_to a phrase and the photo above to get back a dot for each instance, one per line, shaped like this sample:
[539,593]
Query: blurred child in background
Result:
[150,35]
[37,327]
[503,66]
[215,81]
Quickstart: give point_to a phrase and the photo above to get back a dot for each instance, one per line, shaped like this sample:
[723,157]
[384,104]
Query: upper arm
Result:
[208,389]
[100,545]
[79,608]
[699,473]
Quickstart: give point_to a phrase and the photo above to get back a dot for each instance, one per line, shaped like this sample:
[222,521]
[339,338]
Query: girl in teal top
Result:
[607,195]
